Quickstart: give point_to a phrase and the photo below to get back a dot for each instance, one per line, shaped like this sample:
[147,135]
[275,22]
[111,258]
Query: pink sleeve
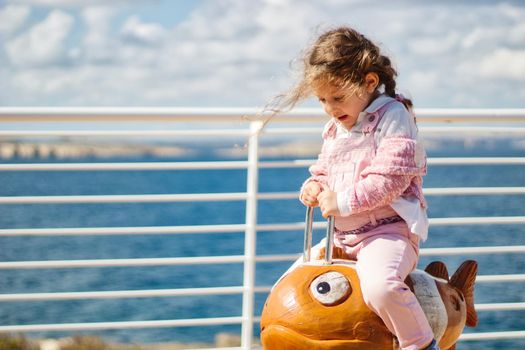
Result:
[387,177]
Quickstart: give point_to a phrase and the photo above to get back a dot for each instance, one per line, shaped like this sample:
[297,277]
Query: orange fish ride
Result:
[318,305]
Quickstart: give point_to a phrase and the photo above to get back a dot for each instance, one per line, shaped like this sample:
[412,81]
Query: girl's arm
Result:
[386,178]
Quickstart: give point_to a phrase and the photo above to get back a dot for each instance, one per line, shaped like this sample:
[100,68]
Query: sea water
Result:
[27,248]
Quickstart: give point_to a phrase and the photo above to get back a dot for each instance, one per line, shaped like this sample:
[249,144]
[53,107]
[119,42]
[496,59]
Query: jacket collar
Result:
[332,126]
[376,104]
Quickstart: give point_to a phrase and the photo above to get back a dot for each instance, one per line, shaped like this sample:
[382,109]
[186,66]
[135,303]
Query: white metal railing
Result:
[224,197]
[453,118]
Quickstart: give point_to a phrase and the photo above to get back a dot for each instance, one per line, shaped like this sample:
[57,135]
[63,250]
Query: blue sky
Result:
[238,52]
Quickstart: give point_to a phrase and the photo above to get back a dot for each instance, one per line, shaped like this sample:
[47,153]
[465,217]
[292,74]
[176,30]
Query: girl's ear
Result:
[371,82]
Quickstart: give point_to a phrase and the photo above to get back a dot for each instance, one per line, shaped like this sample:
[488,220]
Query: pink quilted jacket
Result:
[371,175]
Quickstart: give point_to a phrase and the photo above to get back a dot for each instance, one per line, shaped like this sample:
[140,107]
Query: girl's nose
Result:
[331,110]
[328,108]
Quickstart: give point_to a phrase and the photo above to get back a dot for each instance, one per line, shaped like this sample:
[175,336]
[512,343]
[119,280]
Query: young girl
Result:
[368,174]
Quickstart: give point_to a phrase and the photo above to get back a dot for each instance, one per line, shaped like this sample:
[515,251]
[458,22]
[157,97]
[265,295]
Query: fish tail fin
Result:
[464,279]
[437,269]
[453,347]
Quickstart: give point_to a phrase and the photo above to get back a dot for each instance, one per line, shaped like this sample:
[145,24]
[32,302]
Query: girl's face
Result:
[345,105]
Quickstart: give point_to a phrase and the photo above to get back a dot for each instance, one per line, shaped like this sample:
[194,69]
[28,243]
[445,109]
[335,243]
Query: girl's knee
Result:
[380,292]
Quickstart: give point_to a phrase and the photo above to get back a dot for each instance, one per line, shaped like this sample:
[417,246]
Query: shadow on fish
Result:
[319,306]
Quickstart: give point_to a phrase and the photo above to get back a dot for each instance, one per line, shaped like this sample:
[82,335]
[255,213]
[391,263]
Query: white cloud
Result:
[424,82]
[43,43]
[517,33]
[434,45]
[98,43]
[12,17]
[504,64]
[237,52]
[146,33]
[98,22]
[71,3]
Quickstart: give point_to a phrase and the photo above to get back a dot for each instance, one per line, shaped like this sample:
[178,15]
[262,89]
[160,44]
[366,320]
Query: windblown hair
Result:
[340,57]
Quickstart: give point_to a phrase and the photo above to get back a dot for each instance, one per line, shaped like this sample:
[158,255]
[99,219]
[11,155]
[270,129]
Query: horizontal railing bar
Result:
[433,221]
[425,129]
[452,191]
[423,252]
[121,294]
[476,160]
[216,114]
[154,293]
[500,278]
[492,335]
[232,196]
[125,133]
[480,279]
[299,163]
[500,306]
[127,114]
[228,165]
[53,264]
[149,198]
[58,264]
[470,130]
[199,322]
[472,250]
[121,325]
[212,165]
[136,230]
[229,228]
[477,220]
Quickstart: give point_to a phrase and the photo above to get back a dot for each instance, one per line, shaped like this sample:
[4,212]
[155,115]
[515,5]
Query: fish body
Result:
[320,307]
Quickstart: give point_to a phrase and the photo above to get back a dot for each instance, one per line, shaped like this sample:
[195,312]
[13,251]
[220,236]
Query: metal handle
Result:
[308,237]
[309,221]
[329,248]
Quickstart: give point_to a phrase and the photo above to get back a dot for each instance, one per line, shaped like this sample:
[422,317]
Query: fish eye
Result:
[330,288]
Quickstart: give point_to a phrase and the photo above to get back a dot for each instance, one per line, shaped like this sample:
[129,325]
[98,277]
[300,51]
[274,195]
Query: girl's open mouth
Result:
[343,117]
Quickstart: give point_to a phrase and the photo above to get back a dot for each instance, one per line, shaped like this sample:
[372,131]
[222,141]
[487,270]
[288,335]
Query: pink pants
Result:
[384,257]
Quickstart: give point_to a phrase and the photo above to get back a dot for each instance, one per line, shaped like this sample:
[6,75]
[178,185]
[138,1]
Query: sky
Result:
[241,53]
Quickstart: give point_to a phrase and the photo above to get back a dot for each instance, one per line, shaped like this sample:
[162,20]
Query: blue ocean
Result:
[28,248]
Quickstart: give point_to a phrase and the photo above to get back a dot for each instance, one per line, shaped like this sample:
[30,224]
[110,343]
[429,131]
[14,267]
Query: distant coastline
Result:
[74,150]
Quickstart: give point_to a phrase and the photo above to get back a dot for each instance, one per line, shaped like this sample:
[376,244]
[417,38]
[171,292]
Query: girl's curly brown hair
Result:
[340,57]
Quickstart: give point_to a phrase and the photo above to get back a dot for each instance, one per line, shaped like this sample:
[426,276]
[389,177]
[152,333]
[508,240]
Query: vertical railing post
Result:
[250,236]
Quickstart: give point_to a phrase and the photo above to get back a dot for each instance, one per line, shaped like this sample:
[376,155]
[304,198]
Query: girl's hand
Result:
[328,203]
[310,192]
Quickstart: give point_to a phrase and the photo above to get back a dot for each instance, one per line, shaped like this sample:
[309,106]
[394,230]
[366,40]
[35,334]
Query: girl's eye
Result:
[339,99]
[331,288]
[322,100]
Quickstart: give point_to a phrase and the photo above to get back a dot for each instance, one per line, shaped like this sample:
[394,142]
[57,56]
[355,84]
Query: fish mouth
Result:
[278,337]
